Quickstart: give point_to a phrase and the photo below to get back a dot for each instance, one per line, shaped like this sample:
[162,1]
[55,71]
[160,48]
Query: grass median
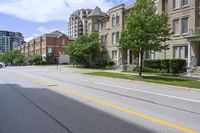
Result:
[152,79]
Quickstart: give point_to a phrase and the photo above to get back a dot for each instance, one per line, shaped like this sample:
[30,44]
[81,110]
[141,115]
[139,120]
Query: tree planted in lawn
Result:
[85,50]
[145,29]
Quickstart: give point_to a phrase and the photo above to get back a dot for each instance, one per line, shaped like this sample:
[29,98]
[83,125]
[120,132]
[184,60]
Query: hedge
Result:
[170,65]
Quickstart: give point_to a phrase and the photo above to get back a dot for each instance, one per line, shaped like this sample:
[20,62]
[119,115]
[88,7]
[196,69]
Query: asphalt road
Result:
[46,100]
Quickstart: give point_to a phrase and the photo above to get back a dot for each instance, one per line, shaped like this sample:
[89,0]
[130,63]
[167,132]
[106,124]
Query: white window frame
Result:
[113,20]
[186,4]
[113,38]
[113,55]
[178,32]
[117,16]
[50,50]
[117,41]
[186,17]
[180,56]
[174,4]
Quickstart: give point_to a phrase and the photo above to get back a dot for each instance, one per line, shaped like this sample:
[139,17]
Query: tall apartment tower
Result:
[10,40]
[77,24]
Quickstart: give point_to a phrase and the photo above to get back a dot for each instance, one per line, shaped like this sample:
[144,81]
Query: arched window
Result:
[117,19]
[113,20]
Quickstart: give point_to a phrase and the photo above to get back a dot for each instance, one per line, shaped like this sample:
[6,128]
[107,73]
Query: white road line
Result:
[154,93]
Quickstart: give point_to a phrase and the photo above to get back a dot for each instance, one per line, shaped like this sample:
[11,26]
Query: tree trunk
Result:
[141,53]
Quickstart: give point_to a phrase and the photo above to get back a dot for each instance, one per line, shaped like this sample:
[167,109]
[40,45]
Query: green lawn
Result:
[152,79]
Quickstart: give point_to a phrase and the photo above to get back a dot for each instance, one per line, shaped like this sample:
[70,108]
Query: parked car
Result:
[2,64]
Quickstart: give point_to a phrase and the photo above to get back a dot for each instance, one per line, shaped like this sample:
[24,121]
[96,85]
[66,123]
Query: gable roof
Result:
[96,12]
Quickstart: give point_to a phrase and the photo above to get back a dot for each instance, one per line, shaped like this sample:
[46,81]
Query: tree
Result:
[85,50]
[51,59]
[198,33]
[145,29]
[35,60]
[14,57]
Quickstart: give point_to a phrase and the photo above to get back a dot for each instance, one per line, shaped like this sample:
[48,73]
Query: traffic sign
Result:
[57,55]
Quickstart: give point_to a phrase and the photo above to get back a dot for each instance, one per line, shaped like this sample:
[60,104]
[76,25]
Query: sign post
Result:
[57,57]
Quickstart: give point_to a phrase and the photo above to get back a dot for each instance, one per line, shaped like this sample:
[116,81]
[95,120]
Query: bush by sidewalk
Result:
[167,66]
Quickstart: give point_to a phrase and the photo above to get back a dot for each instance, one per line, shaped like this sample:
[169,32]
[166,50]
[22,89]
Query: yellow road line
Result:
[162,122]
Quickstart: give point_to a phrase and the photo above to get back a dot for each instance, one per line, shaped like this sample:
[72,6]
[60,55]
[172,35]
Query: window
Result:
[176,27]
[117,37]
[185,26]
[102,26]
[113,20]
[180,52]
[96,27]
[176,4]
[113,38]
[105,39]
[114,55]
[102,40]
[117,19]
[184,2]
[49,50]
[63,42]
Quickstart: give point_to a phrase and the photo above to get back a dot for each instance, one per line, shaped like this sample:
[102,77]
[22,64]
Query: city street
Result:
[50,100]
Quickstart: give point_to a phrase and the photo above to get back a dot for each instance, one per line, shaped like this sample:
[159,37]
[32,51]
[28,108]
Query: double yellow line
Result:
[113,106]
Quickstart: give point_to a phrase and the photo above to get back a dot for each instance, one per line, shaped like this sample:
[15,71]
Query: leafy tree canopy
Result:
[85,50]
[14,57]
[145,28]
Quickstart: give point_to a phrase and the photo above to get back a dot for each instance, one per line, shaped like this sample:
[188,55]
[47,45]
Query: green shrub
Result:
[178,66]
[166,65]
[35,60]
[110,63]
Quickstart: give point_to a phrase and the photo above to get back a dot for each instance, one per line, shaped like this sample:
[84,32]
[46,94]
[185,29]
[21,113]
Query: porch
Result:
[194,56]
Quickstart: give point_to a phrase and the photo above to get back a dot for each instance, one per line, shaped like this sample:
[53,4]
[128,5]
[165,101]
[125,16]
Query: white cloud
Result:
[28,39]
[49,10]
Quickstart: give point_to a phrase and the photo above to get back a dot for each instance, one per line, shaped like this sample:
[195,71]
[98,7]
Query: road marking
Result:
[113,106]
[154,93]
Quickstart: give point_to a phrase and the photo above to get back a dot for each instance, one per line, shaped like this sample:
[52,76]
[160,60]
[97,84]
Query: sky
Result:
[35,17]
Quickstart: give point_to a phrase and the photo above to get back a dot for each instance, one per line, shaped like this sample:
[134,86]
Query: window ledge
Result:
[176,35]
[175,9]
[185,6]
[185,34]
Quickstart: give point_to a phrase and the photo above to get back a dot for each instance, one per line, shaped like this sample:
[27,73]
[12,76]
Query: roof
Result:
[56,33]
[96,12]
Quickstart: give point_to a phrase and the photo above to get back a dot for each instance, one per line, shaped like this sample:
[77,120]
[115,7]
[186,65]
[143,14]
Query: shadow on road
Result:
[40,110]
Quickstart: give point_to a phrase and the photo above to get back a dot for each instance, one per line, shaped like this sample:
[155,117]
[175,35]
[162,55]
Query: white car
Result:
[2,64]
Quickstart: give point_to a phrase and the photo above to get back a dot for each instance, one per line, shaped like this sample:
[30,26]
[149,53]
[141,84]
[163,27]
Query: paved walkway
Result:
[83,70]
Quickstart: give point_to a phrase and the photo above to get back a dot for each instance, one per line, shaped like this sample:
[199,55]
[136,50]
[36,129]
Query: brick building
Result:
[50,43]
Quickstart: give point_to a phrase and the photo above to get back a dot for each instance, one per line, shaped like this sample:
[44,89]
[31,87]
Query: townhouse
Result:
[184,19]
[109,27]
[50,43]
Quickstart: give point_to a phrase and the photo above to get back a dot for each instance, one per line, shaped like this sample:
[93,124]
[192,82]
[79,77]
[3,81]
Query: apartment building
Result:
[109,27]
[50,43]
[9,40]
[77,24]
[184,19]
